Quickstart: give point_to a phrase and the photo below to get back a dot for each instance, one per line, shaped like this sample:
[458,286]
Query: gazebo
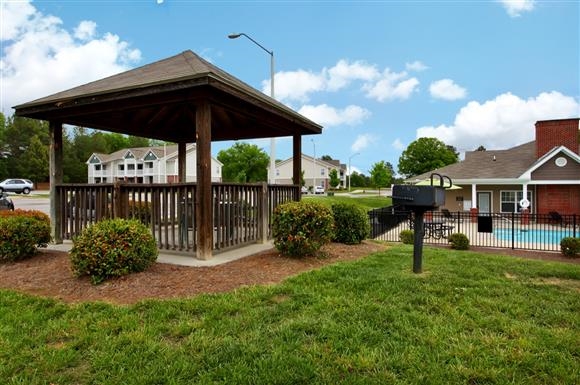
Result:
[181,99]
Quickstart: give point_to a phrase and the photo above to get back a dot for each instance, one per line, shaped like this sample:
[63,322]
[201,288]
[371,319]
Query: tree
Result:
[326,157]
[480,148]
[381,174]
[35,161]
[426,154]
[334,179]
[358,180]
[244,163]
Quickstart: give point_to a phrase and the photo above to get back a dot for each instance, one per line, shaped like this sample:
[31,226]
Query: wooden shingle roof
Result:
[159,101]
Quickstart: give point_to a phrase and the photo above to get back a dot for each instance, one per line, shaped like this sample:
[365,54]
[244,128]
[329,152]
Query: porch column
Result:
[203,194]
[474,211]
[181,162]
[55,172]
[297,163]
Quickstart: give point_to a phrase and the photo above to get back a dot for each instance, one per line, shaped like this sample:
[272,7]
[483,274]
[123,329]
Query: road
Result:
[31,202]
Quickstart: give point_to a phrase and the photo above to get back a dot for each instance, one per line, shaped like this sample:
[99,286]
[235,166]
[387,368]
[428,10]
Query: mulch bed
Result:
[49,274]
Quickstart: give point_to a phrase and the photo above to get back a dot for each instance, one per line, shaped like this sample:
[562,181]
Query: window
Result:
[97,167]
[510,201]
[149,165]
[130,167]
[322,171]
[121,167]
[104,166]
[140,166]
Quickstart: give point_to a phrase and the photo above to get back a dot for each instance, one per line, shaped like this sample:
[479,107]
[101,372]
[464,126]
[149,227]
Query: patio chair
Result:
[448,216]
[556,218]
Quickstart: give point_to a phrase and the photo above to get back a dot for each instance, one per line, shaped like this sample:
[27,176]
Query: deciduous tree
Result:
[426,154]
[244,163]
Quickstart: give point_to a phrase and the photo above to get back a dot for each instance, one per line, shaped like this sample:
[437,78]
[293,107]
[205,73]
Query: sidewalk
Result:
[173,258]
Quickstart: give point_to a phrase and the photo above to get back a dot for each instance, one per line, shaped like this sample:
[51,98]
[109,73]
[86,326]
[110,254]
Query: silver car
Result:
[18,186]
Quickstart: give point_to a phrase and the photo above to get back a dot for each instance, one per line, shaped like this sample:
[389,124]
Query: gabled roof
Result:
[159,100]
[310,159]
[138,152]
[498,166]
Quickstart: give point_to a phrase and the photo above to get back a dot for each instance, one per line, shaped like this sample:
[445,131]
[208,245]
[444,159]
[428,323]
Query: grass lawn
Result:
[469,319]
[366,202]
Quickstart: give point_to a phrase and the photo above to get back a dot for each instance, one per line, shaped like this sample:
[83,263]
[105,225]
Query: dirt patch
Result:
[49,274]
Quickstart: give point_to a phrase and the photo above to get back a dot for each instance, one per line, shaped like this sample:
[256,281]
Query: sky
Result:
[376,75]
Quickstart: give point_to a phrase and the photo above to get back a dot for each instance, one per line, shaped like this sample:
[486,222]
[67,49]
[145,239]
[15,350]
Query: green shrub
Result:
[112,248]
[302,228]
[407,237]
[351,223]
[570,247]
[21,233]
[459,241]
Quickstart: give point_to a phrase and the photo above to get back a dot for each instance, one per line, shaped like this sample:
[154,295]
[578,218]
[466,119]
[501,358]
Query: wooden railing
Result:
[242,213]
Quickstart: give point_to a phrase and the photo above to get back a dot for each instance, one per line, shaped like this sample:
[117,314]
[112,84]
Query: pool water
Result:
[534,236]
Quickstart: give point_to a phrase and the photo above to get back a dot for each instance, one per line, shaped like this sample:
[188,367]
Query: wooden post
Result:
[181,162]
[55,170]
[203,193]
[297,163]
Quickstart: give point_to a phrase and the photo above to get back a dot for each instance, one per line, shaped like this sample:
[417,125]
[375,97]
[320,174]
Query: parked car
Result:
[16,185]
[318,190]
[5,202]
[304,190]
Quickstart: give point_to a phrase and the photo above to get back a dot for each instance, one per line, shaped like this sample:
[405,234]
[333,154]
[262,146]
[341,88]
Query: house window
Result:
[149,164]
[130,167]
[97,167]
[322,171]
[121,167]
[104,167]
[510,201]
[140,166]
[277,172]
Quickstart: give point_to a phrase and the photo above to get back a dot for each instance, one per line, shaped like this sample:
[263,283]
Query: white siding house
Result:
[146,165]
[316,171]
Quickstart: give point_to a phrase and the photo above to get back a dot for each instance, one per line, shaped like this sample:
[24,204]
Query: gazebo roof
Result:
[159,100]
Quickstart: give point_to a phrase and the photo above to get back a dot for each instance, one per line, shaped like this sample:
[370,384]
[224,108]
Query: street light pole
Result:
[314,146]
[349,169]
[272,173]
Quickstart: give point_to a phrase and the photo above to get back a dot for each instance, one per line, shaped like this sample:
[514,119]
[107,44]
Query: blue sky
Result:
[376,74]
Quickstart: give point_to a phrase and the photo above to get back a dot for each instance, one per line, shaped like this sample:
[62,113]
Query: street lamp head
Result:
[234,35]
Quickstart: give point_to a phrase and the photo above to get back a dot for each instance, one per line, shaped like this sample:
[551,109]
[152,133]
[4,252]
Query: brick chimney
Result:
[554,133]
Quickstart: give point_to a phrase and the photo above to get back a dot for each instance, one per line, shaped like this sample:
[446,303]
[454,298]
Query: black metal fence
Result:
[498,230]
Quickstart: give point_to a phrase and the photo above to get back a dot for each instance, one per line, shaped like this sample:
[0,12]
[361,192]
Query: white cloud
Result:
[343,73]
[40,57]
[328,116]
[503,122]
[398,144]
[295,85]
[416,66]
[447,89]
[362,142]
[515,8]
[381,86]
[391,86]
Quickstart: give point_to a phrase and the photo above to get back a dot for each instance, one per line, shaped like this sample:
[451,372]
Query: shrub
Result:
[459,241]
[407,237]
[21,233]
[351,223]
[570,247]
[112,248]
[302,228]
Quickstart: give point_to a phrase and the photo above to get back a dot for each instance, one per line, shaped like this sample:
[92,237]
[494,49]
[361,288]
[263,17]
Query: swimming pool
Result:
[533,235]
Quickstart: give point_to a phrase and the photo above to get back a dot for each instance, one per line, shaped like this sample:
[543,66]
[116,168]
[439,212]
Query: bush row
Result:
[302,228]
